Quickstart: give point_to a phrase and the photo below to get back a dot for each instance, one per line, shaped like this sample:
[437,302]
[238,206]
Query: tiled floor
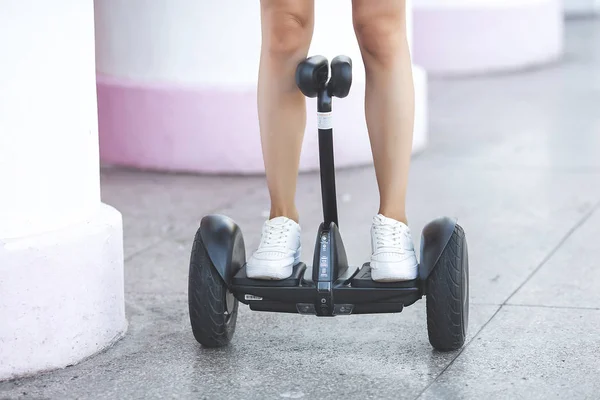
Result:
[515,157]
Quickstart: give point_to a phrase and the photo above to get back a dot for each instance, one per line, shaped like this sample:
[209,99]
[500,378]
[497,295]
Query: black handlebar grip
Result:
[341,76]
[312,75]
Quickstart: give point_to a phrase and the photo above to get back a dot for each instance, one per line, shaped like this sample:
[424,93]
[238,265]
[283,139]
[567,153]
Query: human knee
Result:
[287,28]
[380,34]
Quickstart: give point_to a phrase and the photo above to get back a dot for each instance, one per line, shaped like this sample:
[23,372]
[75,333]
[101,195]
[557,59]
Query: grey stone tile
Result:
[527,353]
[543,118]
[512,220]
[157,205]
[271,356]
[550,144]
[571,277]
[161,269]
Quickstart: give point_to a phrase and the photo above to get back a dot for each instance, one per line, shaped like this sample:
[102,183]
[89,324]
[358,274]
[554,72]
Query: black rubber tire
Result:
[448,295]
[213,322]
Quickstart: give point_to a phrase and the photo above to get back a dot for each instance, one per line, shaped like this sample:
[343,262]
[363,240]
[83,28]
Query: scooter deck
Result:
[352,293]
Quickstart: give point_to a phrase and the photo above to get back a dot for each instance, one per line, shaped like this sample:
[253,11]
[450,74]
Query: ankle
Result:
[291,213]
[395,215]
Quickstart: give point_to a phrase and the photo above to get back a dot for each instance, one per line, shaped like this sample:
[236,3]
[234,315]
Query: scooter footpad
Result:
[363,280]
[241,279]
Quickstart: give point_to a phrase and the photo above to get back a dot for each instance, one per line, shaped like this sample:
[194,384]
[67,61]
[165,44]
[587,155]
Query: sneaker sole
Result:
[393,274]
[269,273]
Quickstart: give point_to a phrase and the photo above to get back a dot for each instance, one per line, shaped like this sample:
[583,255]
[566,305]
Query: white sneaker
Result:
[278,252]
[393,254]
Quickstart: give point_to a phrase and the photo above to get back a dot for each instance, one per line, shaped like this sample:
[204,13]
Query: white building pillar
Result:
[61,253]
[577,8]
[464,37]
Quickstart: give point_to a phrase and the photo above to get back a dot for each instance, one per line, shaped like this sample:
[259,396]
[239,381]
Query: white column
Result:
[463,37]
[61,258]
[581,7]
[177,86]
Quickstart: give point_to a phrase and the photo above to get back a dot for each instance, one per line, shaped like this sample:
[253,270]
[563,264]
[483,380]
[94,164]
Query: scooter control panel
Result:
[324,303]
[324,270]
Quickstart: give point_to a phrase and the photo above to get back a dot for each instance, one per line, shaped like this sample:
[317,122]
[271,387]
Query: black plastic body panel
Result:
[434,239]
[362,300]
[224,244]
[343,297]
[329,245]
[329,263]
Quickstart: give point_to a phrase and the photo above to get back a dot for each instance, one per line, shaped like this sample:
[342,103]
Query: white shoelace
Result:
[275,236]
[388,237]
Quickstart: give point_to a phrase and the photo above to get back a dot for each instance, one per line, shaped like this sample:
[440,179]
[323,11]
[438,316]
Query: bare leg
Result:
[380,27]
[287,27]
